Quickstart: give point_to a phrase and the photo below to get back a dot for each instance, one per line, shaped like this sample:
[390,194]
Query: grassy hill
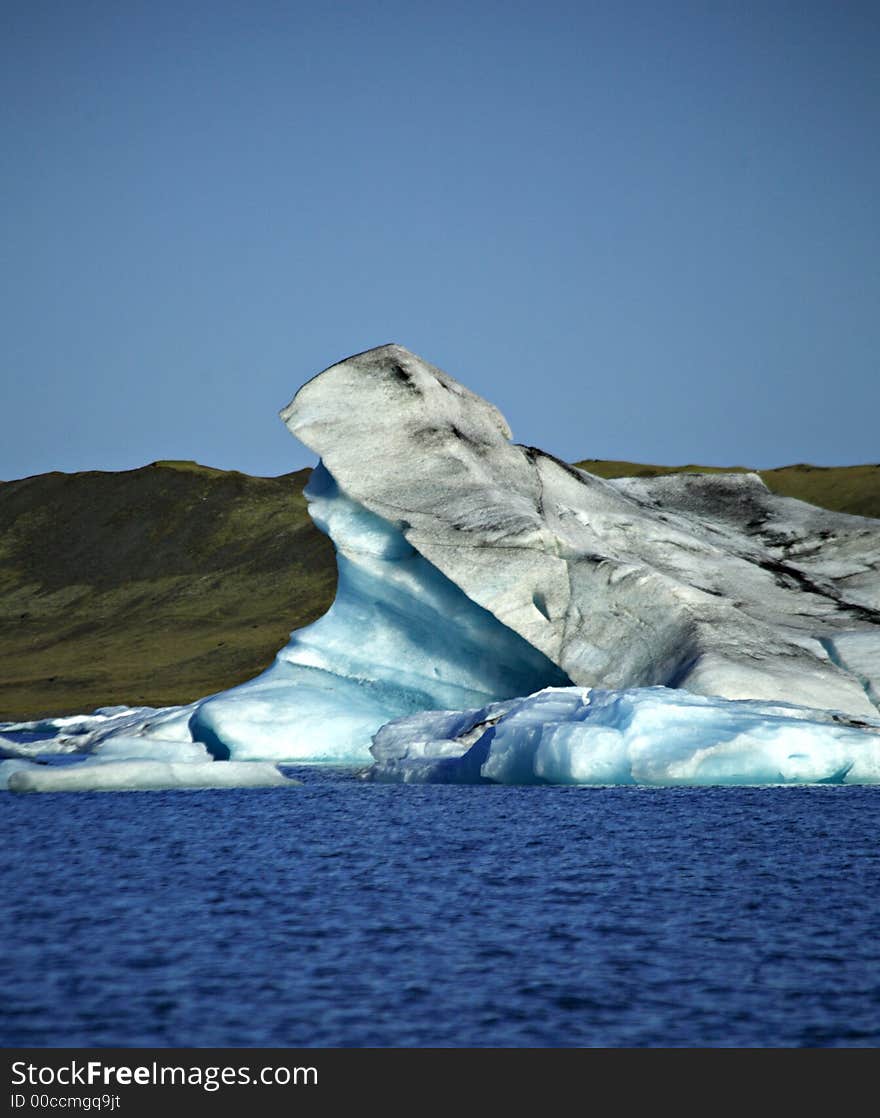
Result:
[152,586]
[170,582]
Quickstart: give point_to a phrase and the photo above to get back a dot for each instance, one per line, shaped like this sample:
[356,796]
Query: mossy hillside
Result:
[150,586]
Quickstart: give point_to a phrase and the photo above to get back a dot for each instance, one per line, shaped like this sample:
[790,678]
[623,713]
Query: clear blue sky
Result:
[646,231]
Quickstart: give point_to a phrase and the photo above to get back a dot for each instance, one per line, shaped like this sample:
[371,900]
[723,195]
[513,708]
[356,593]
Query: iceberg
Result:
[688,628]
[653,736]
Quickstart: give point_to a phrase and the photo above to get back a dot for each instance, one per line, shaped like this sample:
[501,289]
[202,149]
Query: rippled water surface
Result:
[346,914]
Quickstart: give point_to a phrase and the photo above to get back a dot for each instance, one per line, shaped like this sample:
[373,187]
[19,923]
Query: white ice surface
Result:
[704,582]
[146,776]
[647,736]
[859,654]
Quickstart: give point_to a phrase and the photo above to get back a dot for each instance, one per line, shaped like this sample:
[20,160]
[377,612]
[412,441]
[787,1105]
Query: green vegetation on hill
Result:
[150,586]
[163,584]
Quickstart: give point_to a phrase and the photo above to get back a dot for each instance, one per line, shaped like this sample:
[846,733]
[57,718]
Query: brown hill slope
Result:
[150,586]
[170,582]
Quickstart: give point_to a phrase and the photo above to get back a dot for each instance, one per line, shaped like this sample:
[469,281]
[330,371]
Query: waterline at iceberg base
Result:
[650,736]
[502,616]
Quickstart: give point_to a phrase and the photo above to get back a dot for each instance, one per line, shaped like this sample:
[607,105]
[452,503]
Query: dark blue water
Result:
[348,914]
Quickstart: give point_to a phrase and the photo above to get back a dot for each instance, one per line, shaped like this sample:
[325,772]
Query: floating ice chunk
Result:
[108,718]
[85,733]
[649,736]
[416,734]
[146,776]
[7,768]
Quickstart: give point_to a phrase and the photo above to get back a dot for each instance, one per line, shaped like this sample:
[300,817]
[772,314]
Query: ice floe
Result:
[648,736]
